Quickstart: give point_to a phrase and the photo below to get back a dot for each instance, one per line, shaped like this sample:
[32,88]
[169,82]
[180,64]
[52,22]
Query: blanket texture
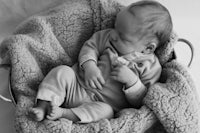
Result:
[55,37]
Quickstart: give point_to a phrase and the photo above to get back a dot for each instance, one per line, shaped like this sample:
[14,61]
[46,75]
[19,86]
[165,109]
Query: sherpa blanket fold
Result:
[55,37]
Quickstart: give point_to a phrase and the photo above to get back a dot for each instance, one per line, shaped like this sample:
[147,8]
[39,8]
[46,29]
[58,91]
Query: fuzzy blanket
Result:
[55,37]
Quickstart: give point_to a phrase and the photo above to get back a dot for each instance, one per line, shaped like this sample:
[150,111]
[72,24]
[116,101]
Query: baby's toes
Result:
[51,116]
[36,114]
[32,112]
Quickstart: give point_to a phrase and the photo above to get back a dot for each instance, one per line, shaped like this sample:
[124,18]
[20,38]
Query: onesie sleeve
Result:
[148,71]
[93,47]
[135,93]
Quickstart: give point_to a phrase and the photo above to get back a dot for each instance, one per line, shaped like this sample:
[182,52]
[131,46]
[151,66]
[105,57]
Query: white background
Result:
[185,15]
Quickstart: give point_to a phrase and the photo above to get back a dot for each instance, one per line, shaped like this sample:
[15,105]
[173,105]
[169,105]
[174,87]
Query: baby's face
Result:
[126,37]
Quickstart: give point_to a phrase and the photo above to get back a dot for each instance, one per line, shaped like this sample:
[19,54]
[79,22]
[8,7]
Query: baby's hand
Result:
[124,75]
[115,59]
[93,76]
[120,61]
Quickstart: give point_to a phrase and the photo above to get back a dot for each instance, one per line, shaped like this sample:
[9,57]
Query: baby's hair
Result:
[159,23]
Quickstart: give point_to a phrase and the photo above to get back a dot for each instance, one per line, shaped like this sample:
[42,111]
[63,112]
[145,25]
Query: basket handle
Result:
[191,49]
[8,92]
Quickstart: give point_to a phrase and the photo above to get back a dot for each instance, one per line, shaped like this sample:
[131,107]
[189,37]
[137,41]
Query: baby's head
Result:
[141,27]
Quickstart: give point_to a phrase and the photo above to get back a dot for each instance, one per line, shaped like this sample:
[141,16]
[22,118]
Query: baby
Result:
[114,70]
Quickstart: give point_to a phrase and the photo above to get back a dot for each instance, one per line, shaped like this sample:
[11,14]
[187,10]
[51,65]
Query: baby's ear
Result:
[150,48]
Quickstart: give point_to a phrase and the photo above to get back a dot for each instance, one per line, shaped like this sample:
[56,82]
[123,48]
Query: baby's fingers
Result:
[114,73]
[92,84]
[114,77]
[101,80]
[98,84]
[87,83]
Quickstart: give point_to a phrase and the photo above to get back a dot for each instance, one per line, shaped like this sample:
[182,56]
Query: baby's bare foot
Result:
[55,113]
[37,114]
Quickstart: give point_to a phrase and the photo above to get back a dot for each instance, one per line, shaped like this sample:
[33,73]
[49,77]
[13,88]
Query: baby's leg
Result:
[85,113]
[93,111]
[59,83]
[40,110]
[59,112]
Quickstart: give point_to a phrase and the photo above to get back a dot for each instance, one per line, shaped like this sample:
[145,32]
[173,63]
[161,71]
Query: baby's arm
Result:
[93,76]
[88,58]
[150,71]
[124,75]
[134,89]
[135,93]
